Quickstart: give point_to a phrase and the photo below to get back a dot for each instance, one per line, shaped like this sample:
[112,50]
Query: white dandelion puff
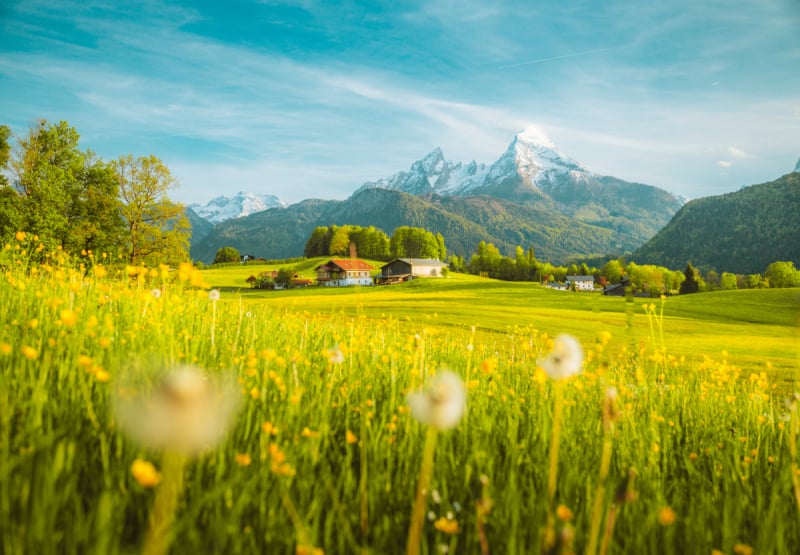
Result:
[213,295]
[187,413]
[442,403]
[565,360]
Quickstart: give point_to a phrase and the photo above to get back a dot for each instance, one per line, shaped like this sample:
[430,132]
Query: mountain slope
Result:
[533,171]
[739,232]
[464,222]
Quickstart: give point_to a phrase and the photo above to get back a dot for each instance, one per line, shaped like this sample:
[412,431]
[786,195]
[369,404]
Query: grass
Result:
[323,452]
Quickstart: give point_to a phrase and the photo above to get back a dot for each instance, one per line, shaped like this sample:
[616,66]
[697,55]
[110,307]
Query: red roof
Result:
[350,264]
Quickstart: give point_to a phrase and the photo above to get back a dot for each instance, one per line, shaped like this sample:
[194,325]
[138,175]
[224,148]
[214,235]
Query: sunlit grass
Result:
[324,453]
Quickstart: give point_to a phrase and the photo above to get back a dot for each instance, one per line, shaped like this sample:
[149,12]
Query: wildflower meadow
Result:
[146,410]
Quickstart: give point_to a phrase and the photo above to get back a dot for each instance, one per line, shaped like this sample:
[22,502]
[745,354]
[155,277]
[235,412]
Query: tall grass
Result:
[324,455]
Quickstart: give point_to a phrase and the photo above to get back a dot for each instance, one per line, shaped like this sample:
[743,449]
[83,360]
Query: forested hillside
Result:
[464,222]
[739,232]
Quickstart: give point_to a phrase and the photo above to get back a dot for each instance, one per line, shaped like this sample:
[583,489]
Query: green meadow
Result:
[679,434]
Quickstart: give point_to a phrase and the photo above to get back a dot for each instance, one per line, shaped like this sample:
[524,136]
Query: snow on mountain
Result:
[797,167]
[241,204]
[530,157]
[536,161]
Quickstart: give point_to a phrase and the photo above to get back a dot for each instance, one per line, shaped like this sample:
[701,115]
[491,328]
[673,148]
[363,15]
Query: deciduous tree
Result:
[158,229]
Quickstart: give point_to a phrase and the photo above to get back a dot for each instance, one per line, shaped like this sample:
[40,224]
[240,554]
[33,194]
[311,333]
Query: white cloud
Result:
[738,153]
[724,164]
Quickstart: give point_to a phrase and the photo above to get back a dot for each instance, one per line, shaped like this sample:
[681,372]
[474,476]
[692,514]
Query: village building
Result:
[403,269]
[340,272]
[580,283]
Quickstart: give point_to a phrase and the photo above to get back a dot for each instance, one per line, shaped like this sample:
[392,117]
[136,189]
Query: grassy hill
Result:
[741,232]
[750,325]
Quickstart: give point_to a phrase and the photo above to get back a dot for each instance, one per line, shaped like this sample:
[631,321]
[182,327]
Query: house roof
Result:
[347,264]
[418,262]
[580,278]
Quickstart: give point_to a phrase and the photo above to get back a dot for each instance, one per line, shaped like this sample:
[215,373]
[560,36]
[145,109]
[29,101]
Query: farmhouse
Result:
[339,272]
[581,283]
[403,269]
[617,289]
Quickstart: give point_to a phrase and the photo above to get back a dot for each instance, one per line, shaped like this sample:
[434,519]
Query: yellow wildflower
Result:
[145,473]
[446,525]
[667,516]
[5,349]
[20,235]
[564,513]
[350,437]
[742,549]
[243,459]
[68,317]
[29,352]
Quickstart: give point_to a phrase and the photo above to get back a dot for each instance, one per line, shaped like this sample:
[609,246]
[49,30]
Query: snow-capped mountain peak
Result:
[797,167]
[222,208]
[531,158]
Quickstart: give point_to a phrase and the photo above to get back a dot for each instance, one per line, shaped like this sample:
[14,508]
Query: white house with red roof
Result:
[340,272]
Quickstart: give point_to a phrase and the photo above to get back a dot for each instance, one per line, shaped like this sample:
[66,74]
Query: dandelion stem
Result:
[612,519]
[552,478]
[793,431]
[425,474]
[302,534]
[600,492]
[166,502]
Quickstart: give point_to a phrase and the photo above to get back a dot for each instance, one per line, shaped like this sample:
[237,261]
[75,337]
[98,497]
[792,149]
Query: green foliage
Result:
[158,229]
[739,232]
[782,274]
[416,242]
[691,282]
[284,276]
[226,255]
[693,427]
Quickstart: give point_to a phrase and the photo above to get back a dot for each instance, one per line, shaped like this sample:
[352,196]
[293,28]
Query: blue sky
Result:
[310,98]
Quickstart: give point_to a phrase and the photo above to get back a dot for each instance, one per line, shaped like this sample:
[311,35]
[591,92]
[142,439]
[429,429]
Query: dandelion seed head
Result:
[186,413]
[442,403]
[565,360]
[213,295]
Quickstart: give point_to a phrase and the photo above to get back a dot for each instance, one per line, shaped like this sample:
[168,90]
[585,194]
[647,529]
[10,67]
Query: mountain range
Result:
[533,195]
[241,204]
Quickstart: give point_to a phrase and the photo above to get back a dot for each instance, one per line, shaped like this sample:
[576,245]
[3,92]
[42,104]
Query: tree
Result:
[284,276]
[158,229]
[692,283]
[10,201]
[782,274]
[728,281]
[67,197]
[317,244]
[226,255]
[613,271]
[340,241]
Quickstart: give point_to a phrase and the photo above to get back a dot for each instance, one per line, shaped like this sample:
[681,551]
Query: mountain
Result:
[241,204]
[200,226]
[534,172]
[464,222]
[741,232]
[797,166]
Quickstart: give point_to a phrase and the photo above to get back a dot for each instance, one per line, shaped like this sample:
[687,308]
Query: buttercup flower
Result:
[565,360]
[186,413]
[442,404]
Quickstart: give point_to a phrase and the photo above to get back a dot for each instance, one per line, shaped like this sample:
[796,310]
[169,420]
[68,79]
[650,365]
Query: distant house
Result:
[300,282]
[340,272]
[581,283]
[617,289]
[403,269]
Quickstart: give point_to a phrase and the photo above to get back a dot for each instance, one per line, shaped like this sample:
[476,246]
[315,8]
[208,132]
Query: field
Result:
[302,440]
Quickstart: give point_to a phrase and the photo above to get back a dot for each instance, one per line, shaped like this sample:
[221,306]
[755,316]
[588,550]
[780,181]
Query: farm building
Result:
[403,269]
[581,283]
[339,272]
[617,289]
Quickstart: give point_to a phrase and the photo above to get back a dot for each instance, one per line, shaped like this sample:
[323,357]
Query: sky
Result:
[312,98]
